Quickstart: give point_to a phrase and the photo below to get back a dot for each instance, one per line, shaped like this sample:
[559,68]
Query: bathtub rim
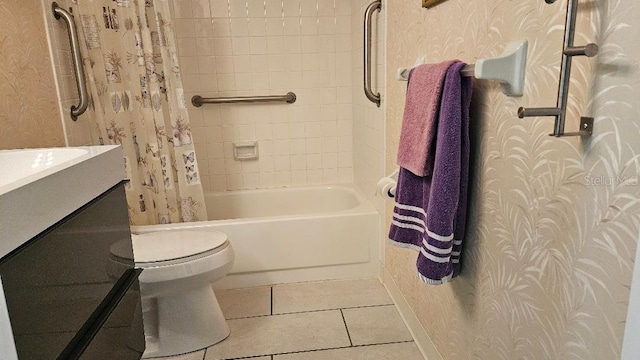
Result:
[364,206]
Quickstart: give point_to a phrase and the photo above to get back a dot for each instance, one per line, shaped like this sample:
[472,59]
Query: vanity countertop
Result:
[39,187]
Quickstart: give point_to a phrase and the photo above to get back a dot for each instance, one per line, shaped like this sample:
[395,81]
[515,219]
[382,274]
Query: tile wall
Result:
[77,133]
[368,119]
[264,47]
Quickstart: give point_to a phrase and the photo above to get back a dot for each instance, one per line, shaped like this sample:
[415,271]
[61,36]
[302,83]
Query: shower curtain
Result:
[137,101]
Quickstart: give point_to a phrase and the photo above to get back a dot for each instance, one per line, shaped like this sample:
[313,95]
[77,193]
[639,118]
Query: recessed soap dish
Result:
[245,150]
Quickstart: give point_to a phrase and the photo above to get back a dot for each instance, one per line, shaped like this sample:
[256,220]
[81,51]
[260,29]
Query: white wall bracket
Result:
[508,69]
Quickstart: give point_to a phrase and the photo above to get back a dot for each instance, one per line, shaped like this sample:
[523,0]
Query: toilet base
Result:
[190,321]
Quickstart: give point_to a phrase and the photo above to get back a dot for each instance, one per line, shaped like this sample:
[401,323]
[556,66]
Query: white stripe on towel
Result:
[435,236]
[455,253]
[435,282]
[436,250]
[411,208]
[433,257]
[422,229]
[405,245]
[412,219]
[408,226]
[457,242]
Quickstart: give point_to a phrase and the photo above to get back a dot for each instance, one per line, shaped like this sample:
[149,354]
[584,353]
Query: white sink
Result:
[23,166]
[39,187]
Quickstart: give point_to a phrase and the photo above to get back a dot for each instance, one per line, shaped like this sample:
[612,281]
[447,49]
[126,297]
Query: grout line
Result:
[204,356]
[308,311]
[271,311]
[346,327]
[323,349]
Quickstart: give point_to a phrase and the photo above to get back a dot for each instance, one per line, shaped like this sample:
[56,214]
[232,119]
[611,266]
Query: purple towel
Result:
[430,210]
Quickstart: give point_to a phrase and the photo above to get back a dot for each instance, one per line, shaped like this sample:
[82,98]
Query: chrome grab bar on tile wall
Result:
[198,100]
[58,13]
[368,15]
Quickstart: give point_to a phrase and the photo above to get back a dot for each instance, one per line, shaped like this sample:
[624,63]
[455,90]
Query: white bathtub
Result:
[292,234]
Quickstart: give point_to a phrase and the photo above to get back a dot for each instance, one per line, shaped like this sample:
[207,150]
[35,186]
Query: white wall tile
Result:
[314,177]
[291,26]
[219,8]
[267,179]
[251,181]
[255,8]
[274,8]
[283,178]
[299,177]
[258,45]
[262,47]
[201,8]
[327,8]
[257,27]
[309,8]
[238,8]
[183,9]
[291,8]
[275,27]
[223,46]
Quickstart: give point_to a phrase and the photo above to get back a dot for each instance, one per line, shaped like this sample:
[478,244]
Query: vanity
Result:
[60,212]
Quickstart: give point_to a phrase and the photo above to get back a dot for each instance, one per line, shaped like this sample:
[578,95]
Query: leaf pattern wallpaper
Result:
[553,223]
[29,115]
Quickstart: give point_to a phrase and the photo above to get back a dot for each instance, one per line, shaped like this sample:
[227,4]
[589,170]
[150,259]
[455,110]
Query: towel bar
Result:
[508,68]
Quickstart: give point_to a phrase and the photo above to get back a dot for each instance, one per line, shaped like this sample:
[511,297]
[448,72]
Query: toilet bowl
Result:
[179,308]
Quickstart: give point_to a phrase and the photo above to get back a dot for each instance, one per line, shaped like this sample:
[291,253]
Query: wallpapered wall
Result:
[28,105]
[553,225]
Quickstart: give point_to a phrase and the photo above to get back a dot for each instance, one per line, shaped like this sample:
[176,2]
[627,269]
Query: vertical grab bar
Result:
[58,13]
[569,51]
[368,15]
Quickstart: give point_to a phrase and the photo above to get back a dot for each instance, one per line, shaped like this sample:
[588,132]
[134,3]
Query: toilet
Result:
[179,308]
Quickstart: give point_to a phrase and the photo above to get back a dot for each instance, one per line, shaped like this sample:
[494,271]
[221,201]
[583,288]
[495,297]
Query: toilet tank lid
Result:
[174,244]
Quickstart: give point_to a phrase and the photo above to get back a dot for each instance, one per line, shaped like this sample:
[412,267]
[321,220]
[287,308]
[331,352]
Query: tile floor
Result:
[346,319]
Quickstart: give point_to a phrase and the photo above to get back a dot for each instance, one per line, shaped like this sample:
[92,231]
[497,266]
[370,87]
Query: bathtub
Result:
[292,234]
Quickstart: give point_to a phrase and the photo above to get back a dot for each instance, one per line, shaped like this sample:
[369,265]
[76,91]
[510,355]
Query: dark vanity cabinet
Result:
[66,300]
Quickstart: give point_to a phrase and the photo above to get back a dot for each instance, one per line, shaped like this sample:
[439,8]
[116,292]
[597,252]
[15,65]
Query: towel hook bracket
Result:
[560,111]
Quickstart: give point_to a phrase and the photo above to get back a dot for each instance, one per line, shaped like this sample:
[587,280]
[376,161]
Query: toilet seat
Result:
[169,247]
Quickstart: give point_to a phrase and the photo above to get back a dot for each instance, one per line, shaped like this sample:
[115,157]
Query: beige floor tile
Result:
[239,303]
[324,295]
[197,355]
[402,351]
[375,325]
[281,334]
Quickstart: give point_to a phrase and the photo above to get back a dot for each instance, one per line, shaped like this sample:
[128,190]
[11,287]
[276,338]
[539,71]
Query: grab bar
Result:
[198,100]
[560,111]
[58,13]
[368,14]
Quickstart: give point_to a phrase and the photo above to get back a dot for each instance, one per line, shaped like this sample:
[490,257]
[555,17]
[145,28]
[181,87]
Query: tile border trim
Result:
[420,336]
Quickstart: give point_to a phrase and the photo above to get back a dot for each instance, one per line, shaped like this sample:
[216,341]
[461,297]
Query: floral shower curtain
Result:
[137,101]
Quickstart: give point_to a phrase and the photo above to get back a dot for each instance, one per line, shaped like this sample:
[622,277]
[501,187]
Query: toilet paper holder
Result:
[386,186]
